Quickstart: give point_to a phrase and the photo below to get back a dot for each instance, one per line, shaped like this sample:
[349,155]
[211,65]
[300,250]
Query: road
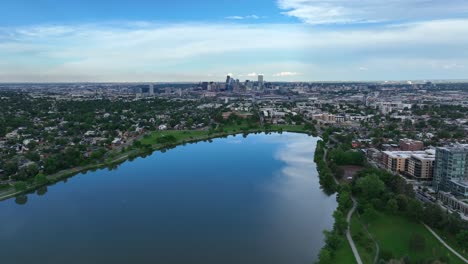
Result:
[348,232]
[445,244]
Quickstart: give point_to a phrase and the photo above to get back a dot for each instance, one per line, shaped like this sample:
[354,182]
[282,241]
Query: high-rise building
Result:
[260,80]
[229,81]
[151,89]
[451,170]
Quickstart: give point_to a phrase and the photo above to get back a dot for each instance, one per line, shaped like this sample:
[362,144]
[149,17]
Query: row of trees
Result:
[336,238]
[326,177]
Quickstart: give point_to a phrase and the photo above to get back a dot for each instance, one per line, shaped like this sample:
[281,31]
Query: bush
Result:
[20,186]
[40,179]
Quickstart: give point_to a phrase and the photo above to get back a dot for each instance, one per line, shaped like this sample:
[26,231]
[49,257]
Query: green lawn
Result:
[180,135]
[393,234]
[190,135]
[365,245]
[290,128]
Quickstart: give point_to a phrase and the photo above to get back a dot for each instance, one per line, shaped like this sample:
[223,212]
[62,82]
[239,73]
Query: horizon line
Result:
[194,82]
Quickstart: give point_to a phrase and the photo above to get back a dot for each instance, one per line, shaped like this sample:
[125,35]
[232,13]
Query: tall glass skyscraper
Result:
[451,170]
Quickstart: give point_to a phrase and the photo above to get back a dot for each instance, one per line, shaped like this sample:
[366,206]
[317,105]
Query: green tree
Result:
[34,156]
[344,200]
[392,205]
[462,239]
[333,240]
[40,179]
[415,209]
[370,186]
[325,256]
[10,168]
[20,186]
[340,222]
[369,213]
[402,201]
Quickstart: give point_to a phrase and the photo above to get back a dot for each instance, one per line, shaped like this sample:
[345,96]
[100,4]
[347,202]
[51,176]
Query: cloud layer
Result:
[369,11]
[146,51]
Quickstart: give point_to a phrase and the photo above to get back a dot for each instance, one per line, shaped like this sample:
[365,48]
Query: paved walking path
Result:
[348,233]
[445,244]
[348,219]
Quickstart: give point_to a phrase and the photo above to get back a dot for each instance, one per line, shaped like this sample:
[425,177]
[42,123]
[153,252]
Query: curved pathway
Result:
[445,244]
[348,233]
[377,247]
[348,219]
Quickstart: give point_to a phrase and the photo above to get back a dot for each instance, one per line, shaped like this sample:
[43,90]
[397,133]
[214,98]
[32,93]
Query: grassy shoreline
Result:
[182,137]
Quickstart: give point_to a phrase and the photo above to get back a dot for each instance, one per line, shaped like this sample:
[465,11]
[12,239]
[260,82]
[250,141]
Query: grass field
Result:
[180,135]
[393,234]
[193,135]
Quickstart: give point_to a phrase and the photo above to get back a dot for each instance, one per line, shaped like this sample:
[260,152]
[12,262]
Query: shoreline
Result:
[137,153]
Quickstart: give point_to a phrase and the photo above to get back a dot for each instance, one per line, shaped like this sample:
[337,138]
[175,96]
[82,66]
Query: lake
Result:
[233,200]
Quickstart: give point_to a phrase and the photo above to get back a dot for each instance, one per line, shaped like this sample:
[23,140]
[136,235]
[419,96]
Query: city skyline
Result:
[285,40]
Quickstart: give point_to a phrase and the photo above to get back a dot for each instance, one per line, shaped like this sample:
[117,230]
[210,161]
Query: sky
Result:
[205,40]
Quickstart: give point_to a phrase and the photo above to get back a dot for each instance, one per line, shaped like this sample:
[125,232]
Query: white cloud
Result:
[286,74]
[243,17]
[235,17]
[453,66]
[188,52]
[252,74]
[365,11]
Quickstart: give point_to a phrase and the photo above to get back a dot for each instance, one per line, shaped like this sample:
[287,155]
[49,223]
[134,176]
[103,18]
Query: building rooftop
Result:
[456,147]
[407,154]
[429,157]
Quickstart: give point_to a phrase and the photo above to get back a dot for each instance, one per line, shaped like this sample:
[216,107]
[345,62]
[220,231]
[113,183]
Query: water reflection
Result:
[21,199]
[42,191]
[297,195]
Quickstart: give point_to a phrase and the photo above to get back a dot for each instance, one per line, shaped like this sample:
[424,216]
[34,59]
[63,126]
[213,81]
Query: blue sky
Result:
[180,40]
[24,12]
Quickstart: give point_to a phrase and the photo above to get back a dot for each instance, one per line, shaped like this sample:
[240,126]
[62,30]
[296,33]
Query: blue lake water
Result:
[235,200]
